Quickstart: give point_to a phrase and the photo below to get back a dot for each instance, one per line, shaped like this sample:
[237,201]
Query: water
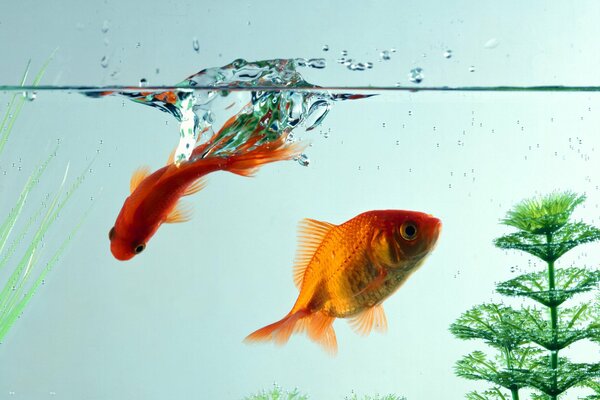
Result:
[464,146]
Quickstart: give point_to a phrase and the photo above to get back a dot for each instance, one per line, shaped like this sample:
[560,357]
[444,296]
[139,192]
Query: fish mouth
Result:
[435,230]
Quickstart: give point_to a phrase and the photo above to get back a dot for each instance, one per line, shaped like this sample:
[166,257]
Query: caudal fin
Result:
[318,325]
[247,162]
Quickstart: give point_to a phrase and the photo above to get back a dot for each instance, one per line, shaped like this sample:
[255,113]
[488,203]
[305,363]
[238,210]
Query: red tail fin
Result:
[247,163]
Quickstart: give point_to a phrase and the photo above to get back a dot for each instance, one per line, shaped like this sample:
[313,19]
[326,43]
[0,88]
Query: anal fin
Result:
[369,319]
[181,213]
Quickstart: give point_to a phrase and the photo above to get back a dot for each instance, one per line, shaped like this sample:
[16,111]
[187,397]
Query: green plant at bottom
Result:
[527,341]
[354,396]
[23,281]
[277,393]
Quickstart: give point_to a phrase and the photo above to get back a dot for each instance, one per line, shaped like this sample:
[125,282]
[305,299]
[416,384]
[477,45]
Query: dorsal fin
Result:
[371,318]
[138,176]
[195,187]
[180,213]
[310,235]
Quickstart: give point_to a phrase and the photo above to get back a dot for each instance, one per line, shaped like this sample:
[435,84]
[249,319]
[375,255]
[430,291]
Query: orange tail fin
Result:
[246,163]
[279,331]
[318,325]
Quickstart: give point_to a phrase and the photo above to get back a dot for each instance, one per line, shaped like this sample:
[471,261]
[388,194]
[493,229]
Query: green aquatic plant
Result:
[27,275]
[277,393]
[527,341]
[354,396]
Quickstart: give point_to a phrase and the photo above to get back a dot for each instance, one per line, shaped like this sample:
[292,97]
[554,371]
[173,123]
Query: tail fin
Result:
[246,163]
[318,325]
[279,331]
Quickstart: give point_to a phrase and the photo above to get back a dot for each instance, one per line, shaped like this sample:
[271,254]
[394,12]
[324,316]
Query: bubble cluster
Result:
[416,75]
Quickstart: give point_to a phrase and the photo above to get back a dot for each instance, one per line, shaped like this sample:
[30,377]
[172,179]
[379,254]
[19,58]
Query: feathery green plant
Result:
[277,393]
[23,281]
[354,396]
[521,337]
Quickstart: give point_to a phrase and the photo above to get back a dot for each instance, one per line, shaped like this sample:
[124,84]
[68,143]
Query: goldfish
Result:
[348,270]
[155,197]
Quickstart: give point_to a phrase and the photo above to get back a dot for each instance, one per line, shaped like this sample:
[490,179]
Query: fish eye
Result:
[111,233]
[408,230]
[139,248]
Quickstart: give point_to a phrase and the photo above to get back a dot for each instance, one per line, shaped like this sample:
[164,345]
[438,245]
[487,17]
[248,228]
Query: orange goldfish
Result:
[154,198]
[348,270]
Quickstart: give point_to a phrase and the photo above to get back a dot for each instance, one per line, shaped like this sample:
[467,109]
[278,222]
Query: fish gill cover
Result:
[268,94]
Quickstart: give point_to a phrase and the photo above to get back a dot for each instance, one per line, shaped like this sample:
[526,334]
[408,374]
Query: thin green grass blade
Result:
[13,216]
[18,309]
[8,113]
[5,295]
[18,100]
[8,292]
[13,290]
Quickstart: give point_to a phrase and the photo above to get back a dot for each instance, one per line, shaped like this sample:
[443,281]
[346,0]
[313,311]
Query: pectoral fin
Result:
[195,187]
[137,177]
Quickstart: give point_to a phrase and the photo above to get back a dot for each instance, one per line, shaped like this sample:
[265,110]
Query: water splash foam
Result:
[270,113]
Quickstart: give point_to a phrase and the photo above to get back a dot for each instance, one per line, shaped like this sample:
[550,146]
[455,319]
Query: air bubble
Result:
[318,63]
[104,62]
[416,75]
[385,55]
[196,45]
[143,82]
[448,54]
[105,26]
[344,53]
[30,96]
[357,67]
[472,68]
[303,160]
[325,47]
[491,44]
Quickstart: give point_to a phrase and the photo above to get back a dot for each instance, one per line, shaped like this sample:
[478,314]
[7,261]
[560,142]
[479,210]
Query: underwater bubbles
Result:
[303,160]
[472,68]
[318,63]
[196,45]
[448,54]
[30,96]
[143,82]
[385,55]
[491,44]
[416,75]
[104,62]
[325,47]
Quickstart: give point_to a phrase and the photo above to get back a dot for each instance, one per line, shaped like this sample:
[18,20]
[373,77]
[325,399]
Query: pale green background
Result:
[170,323]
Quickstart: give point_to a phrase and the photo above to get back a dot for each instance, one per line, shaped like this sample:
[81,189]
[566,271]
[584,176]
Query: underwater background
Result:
[170,322]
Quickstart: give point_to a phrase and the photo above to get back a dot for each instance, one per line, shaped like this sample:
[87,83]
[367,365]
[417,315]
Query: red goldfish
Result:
[154,197]
[348,270]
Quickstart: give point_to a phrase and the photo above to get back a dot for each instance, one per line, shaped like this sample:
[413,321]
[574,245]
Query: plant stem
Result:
[515,393]
[553,320]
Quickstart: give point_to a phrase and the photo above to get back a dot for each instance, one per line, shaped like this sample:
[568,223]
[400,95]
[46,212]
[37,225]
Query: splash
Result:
[270,113]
